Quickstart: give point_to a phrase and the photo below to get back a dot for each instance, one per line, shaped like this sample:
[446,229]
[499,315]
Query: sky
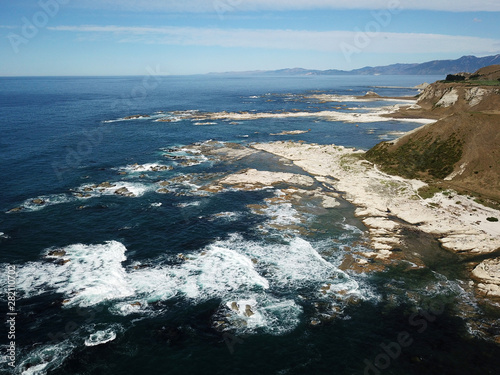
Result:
[176,37]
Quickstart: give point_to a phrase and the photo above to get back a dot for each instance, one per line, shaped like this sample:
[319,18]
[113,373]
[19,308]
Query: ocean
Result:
[119,257]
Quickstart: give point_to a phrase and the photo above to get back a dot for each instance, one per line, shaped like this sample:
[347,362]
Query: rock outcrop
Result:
[479,91]
[461,149]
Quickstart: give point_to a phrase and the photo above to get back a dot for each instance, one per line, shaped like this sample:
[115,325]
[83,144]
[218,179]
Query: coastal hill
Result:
[436,67]
[462,149]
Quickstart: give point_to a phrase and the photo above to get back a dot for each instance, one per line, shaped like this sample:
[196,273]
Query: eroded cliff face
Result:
[455,97]
[464,92]
[461,149]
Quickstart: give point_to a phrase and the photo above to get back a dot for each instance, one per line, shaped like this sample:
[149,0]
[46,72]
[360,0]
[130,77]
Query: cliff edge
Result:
[462,149]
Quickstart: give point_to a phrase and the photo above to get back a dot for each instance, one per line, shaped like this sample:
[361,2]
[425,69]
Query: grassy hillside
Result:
[462,149]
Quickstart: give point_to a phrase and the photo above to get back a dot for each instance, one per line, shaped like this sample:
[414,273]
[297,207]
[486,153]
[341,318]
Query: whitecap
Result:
[272,315]
[211,273]
[188,204]
[351,229]
[204,123]
[229,216]
[95,274]
[43,201]
[148,167]
[100,337]
[282,214]
[135,117]
[44,358]
[120,188]
[189,157]
[289,264]
[90,274]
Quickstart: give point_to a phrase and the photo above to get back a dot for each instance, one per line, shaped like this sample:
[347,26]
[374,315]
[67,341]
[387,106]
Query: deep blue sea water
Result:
[153,279]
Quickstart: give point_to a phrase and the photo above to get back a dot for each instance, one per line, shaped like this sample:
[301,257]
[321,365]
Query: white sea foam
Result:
[215,272]
[234,270]
[282,214]
[86,191]
[261,311]
[229,216]
[35,278]
[290,264]
[204,123]
[148,167]
[44,359]
[211,273]
[176,116]
[93,274]
[135,189]
[100,337]
[96,274]
[38,369]
[189,157]
[188,204]
[127,308]
[350,230]
[135,117]
[43,201]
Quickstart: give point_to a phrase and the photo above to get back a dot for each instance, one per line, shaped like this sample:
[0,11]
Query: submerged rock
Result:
[133,117]
[80,195]
[158,168]
[16,209]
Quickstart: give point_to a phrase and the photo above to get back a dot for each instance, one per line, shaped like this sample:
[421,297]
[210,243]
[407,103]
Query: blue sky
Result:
[128,37]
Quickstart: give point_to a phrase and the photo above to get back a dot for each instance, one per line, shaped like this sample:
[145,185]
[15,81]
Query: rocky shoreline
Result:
[387,203]
[389,206]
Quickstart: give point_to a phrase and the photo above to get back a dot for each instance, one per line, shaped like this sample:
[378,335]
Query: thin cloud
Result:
[217,6]
[332,41]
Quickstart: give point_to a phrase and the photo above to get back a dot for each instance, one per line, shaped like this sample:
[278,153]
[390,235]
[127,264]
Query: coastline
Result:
[192,236]
[386,204]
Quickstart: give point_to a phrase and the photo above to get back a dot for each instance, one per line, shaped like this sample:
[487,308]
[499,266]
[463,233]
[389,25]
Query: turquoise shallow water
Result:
[127,302]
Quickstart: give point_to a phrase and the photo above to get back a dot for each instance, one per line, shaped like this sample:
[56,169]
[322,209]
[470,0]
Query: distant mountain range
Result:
[436,67]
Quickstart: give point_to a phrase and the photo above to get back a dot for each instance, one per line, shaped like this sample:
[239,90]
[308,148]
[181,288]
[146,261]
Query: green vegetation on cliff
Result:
[419,157]
[460,151]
